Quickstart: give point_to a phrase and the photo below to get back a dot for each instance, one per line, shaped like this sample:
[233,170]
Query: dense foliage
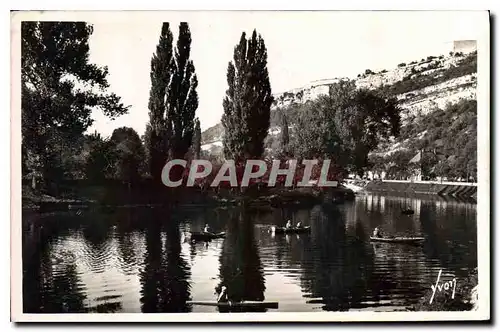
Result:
[127,154]
[158,130]
[59,90]
[173,99]
[344,126]
[248,100]
[447,140]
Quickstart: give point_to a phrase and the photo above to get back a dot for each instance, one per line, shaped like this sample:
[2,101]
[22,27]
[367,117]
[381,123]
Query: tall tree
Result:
[248,100]
[182,99]
[197,139]
[173,99]
[60,87]
[158,130]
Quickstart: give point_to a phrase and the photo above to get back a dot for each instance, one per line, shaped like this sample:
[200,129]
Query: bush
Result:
[368,72]
[402,65]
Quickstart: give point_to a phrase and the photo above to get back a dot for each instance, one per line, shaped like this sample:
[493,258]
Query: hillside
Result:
[421,87]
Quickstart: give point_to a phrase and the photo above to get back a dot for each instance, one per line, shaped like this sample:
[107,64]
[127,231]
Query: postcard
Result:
[232,166]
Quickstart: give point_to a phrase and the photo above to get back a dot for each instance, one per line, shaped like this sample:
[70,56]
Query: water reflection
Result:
[141,259]
[240,267]
[165,286]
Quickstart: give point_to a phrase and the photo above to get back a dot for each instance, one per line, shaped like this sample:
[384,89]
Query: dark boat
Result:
[407,211]
[291,230]
[243,304]
[399,239]
[203,236]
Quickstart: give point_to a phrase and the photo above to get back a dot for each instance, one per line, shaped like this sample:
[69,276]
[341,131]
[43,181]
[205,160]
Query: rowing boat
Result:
[203,236]
[292,230]
[243,304]
[397,239]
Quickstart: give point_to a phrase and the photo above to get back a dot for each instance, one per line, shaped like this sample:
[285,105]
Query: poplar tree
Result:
[173,99]
[248,100]
[158,129]
[182,98]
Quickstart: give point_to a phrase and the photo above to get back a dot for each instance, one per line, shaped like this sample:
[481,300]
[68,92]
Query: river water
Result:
[134,260]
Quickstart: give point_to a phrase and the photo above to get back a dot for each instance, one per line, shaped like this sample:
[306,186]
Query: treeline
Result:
[60,88]
[446,140]
[58,95]
[343,126]
[55,106]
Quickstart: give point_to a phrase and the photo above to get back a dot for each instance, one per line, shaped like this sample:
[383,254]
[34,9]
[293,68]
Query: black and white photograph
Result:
[250,166]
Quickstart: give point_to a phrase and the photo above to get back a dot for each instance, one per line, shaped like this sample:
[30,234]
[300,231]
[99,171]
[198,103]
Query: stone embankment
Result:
[454,189]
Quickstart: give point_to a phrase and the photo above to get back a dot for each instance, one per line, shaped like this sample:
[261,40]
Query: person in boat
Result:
[299,224]
[222,295]
[376,232]
[207,229]
[288,224]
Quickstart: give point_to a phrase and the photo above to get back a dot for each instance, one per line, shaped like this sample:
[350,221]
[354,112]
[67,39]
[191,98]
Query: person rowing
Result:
[299,224]
[223,295]
[376,232]
[207,229]
[288,224]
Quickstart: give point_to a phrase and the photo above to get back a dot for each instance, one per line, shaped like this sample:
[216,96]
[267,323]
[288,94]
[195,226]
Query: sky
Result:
[302,47]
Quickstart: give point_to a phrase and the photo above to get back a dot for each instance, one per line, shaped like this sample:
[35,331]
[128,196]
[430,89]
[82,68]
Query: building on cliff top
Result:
[464,46]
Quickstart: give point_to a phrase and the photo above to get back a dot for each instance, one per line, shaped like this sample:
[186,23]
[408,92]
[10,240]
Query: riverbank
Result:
[100,196]
[452,189]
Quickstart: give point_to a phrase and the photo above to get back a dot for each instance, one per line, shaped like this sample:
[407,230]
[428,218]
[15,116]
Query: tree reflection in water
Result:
[240,266]
[165,286]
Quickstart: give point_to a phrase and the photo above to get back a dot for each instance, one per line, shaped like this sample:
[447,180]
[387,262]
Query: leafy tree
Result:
[99,159]
[378,164]
[158,130]
[345,126]
[59,90]
[128,154]
[173,99]
[312,137]
[248,100]
[399,166]
[448,138]
[182,98]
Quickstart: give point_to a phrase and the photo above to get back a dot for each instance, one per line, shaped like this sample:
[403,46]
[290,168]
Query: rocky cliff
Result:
[419,86]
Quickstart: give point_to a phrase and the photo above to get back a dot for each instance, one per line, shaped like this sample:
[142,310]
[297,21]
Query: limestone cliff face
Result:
[414,100]
[419,86]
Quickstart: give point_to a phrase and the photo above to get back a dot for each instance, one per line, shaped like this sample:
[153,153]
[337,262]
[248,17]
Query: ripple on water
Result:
[333,268]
